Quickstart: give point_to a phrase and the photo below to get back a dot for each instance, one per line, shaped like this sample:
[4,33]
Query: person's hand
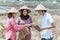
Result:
[22,22]
[26,28]
[32,24]
[27,25]
[41,29]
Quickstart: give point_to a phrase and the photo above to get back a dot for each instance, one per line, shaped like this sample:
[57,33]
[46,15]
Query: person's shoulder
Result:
[48,14]
[11,19]
[30,17]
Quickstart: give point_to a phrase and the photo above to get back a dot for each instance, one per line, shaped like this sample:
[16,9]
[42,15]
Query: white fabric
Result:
[46,21]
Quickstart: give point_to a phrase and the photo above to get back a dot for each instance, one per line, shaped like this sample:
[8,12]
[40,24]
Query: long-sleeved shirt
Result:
[12,28]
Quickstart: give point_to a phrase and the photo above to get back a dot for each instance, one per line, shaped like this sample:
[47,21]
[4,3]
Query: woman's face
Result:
[25,12]
[14,14]
[41,12]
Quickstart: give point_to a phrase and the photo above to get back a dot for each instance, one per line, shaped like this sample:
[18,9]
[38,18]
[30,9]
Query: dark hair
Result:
[45,10]
[24,17]
[10,15]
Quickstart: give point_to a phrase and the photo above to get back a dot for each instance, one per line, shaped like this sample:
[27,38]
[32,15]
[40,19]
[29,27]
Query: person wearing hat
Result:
[47,23]
[11,27]
[24,18]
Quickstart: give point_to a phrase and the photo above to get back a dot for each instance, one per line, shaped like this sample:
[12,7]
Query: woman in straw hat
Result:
[24,18]
[47,23]
[12,28]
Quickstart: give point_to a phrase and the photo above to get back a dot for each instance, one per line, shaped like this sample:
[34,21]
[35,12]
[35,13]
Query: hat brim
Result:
[13,12]
[25,9]
[40,10]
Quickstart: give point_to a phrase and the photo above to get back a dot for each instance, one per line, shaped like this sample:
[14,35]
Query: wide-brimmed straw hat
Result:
[13,10]
[40,7]
[24,7]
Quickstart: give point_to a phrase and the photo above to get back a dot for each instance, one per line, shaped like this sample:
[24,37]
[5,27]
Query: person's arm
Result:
[31,23]
[16,27]
[18,21]
[53,25]
[51,21]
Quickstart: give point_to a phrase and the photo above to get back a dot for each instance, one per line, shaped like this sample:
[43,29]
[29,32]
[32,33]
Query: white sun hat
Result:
[40,7]
[13,10]
[24,7]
